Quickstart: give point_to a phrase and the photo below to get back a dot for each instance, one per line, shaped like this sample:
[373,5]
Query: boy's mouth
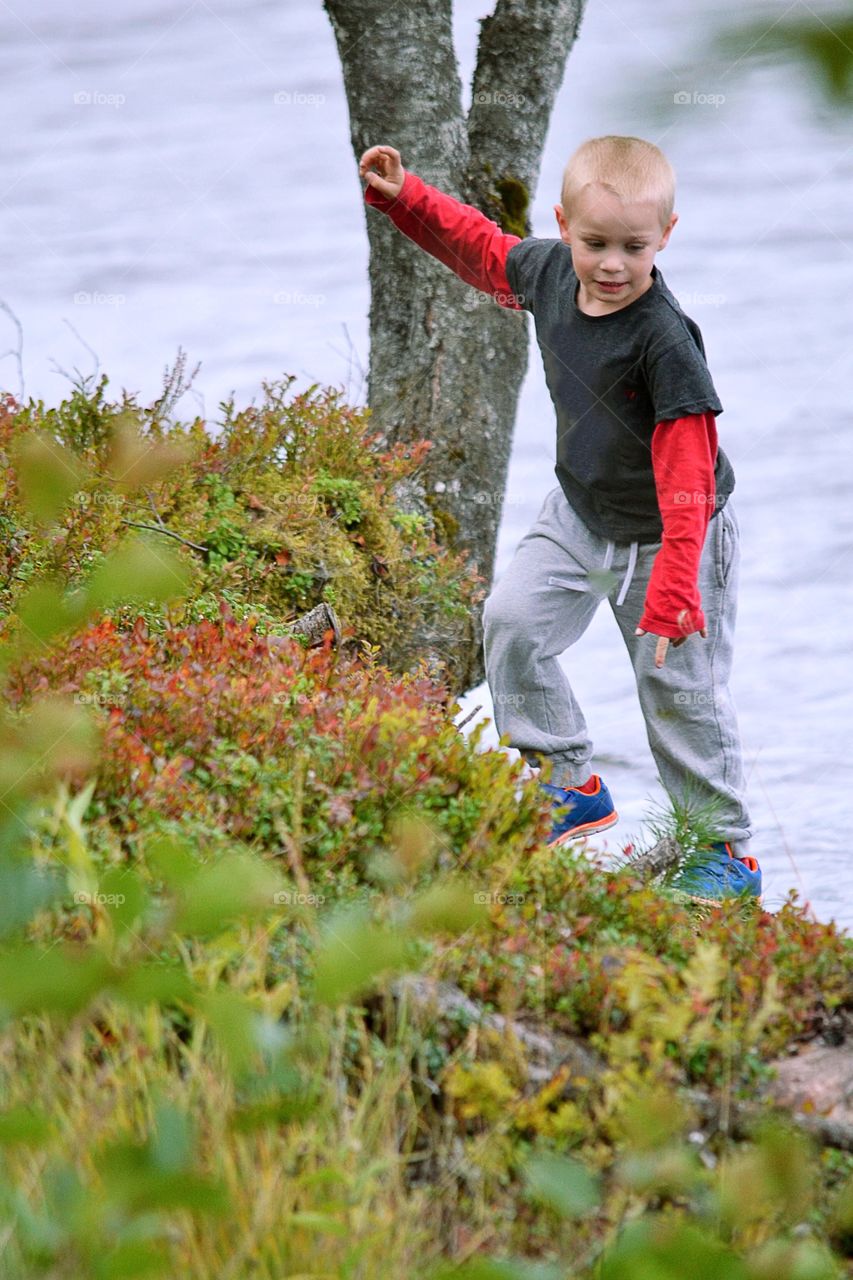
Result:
[611,285]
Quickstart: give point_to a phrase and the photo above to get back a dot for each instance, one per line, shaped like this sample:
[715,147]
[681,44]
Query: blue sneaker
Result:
[718,874]
[586,811]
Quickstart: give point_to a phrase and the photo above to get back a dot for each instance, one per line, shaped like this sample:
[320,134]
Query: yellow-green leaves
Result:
[563,1183]
[353,951]
[48,474]
[135,460]
[138,570]
[236,887]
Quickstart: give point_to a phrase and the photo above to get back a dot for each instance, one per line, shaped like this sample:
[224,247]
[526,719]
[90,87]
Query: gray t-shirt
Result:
[612,378]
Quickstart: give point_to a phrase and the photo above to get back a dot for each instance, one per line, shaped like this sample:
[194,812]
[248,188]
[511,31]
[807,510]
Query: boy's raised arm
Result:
[461,237]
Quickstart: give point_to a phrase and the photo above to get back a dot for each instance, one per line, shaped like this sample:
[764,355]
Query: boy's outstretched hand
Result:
[664,641]
[382,169]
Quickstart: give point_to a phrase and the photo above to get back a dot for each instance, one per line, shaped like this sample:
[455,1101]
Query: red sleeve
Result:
[684,451]
[460,236]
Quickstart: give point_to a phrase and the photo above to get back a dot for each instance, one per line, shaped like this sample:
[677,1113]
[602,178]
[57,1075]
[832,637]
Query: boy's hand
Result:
[664,641]
[382,169]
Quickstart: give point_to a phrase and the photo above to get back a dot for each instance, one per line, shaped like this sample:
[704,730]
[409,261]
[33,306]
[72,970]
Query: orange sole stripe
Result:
[601,825]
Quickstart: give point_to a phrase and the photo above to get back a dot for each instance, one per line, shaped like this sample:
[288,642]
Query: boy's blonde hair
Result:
[633,169]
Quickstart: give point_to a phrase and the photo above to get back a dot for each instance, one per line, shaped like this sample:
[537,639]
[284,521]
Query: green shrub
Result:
[278,508]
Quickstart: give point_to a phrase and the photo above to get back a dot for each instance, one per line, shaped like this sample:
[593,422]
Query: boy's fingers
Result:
[370,156]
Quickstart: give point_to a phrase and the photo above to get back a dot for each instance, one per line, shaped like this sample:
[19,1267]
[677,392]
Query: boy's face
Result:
[613,248]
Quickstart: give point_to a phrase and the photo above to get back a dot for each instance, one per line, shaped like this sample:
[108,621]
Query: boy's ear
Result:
[565,234]
[667,231]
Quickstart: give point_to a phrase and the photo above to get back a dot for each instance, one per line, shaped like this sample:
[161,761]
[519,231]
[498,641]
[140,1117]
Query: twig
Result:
[470,716]
[665,854]
[161,528]
[17,352]
[80,380]
[153,507]
[176,382]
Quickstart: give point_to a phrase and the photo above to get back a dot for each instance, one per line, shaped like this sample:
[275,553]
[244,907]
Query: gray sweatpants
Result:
[545,601]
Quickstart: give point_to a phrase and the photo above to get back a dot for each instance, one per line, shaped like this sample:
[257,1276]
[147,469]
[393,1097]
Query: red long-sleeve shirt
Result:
[684,449]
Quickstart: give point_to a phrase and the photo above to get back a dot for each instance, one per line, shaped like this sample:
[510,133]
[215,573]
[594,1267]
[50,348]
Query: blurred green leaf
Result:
[657,1248]
[563,1183]
[24,1126]
[671,1170]
[792,1260]
[232,1020]
[652,1118]
[157,1173]
[137,570]
[234,887]
[173,1141]
[172,856]
[602,581]
[46,610]
[53,736]
[24,890]
[59,980]
[773,1179]
[124,895]
[136,460]
[841,1219]
[48,474]
[822,42]
[353,951]
[159,982]
[134,1181]
[131,1259]
[445,908]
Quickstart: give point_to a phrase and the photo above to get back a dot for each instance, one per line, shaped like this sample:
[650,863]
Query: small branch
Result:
[470,716]
[153,507]
[161,528]
[665,854]
[176,383]
[17,352]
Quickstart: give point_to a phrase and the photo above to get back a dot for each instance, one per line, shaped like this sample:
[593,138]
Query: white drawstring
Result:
[632,564]
[629,572]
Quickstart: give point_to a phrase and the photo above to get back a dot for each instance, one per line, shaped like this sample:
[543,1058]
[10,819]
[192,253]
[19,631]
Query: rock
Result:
[545,1052]
[817,1085]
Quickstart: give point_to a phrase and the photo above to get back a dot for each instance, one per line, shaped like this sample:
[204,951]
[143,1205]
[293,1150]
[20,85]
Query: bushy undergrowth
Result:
[276,508]
[219,849]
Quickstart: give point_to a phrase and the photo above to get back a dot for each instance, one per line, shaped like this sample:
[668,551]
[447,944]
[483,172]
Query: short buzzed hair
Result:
[633,169]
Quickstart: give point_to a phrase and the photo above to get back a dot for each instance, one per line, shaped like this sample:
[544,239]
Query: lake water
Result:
[180,175]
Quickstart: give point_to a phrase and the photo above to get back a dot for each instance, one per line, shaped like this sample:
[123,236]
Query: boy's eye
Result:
[633,248]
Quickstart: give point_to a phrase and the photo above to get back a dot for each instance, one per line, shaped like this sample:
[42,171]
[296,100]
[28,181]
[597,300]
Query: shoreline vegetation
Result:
[289,983]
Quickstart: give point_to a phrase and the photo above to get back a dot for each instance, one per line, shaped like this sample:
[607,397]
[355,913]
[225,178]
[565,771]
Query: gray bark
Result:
[446,362]
[314,624]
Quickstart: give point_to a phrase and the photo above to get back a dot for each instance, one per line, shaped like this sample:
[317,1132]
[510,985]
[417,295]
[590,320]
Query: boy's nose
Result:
[611,263]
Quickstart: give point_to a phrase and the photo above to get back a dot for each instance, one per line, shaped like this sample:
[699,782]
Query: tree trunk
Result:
[446,362]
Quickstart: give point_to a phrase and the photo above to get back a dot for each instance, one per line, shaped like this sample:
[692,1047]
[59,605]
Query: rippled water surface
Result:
[180,174]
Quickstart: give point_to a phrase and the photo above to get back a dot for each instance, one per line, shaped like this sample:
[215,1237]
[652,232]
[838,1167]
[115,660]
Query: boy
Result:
[641,513]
